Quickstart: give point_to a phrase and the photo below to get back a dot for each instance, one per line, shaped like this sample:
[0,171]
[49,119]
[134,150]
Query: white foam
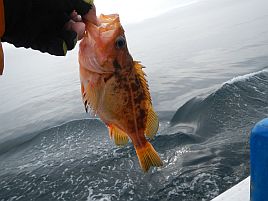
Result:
[91,197]
[244,77]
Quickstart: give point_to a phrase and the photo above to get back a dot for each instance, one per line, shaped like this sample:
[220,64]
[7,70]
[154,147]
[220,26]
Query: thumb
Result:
[78,27]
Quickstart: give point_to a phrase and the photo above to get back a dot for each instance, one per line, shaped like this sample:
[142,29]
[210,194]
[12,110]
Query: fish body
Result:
[114,87]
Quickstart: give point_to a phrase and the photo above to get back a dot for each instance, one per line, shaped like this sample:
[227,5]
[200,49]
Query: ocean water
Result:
[207,66]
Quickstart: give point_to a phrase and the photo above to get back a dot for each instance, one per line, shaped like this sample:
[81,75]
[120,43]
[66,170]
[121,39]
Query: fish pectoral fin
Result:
[90,97]
[152,123]
[83,97]
[148,157]
[120,137]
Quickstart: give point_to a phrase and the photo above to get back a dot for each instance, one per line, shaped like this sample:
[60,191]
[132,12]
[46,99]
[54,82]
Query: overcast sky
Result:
[134,11]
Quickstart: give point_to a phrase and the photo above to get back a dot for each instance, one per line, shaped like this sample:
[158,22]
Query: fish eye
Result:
[120,42]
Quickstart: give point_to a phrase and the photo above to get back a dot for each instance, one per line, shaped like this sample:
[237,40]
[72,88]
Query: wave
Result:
[27,138]
[78,161]
[202,148]
[238,103]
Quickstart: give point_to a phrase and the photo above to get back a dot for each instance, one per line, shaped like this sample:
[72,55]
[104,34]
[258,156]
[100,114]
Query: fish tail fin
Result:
[148,157]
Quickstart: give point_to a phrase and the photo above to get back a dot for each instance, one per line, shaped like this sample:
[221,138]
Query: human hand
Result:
[51,26]
[76,23]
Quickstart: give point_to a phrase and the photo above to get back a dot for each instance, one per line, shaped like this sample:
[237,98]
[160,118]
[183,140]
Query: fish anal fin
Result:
[120,137]
[148,157]
[152,123]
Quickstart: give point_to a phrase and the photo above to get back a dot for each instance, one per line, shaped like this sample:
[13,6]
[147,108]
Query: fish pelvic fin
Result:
[152,123]
[120,137]
[148,157]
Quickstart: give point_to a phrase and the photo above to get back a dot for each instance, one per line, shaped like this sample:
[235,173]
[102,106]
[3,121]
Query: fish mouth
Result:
[101,43]
[109,22]
[107,28]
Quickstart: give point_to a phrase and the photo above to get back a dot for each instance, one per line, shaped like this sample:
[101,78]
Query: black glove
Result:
[39,24]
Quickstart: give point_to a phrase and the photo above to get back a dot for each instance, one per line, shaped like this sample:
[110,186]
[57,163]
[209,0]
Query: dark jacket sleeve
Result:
[39,24]
[2,30]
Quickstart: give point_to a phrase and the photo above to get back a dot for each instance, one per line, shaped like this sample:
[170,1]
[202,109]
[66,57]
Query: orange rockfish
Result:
[114,87]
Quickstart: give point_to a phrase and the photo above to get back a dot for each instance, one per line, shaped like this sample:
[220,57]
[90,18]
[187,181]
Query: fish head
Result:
[104,47]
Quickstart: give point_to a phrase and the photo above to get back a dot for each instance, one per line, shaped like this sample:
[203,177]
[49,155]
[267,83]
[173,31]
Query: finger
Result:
[78,27]
[75,17]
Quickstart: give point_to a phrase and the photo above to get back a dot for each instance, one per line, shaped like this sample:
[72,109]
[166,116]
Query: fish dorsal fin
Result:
[152,123]
[143,81]
[120,137]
